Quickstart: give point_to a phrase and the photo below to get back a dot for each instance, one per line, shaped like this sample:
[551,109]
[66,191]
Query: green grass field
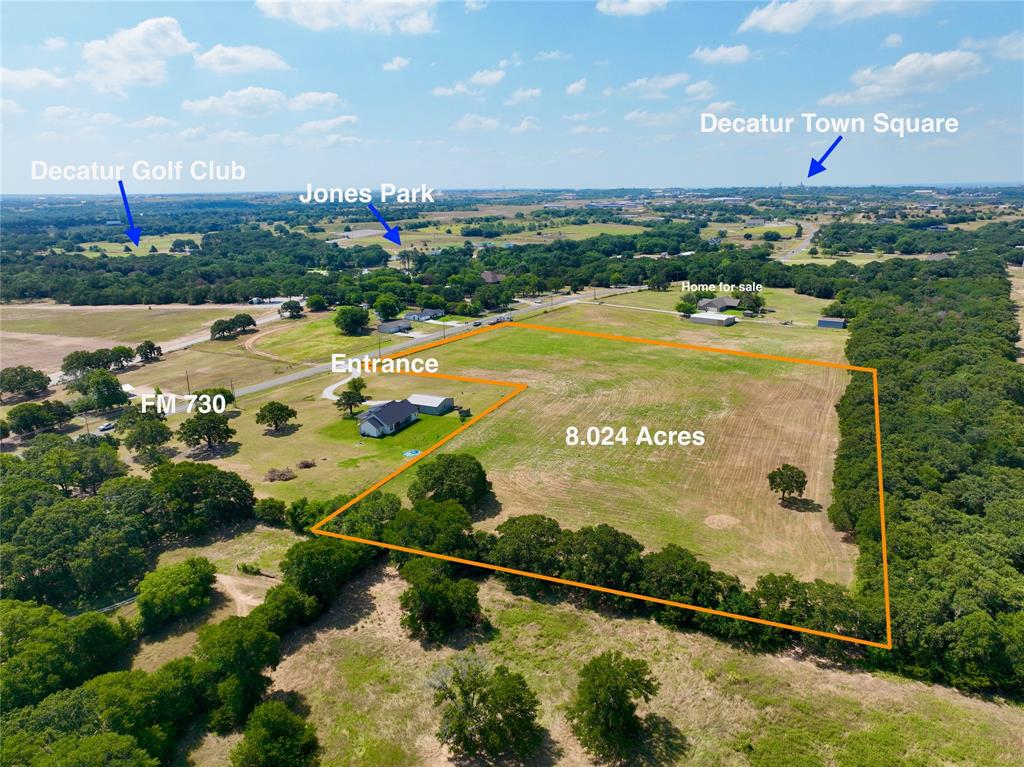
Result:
[713,499]
[162,242]
[316,338]
[345,461]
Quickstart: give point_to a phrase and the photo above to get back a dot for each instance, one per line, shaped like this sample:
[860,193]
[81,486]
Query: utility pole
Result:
[188,386]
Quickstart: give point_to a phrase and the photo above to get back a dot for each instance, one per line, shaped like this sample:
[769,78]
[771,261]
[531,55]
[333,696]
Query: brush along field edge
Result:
[518,388]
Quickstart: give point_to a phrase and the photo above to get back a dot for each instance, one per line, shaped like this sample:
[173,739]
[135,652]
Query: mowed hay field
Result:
[41,334]
[367,686]
[713,499]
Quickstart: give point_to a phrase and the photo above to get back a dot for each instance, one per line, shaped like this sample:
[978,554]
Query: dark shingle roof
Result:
[390,413]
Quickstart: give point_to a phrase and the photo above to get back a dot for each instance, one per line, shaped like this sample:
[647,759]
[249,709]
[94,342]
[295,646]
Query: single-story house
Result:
[382,420]
[754,222]
[718,304]
[491,278]
[432,404]
[395,326]
[424,314]
[838,323]
[713,318]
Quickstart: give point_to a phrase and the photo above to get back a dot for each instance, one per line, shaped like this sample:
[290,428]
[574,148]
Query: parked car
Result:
[477,324]
[108,426]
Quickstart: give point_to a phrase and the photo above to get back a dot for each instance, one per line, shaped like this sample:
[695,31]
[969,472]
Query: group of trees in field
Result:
[23,380]
[490,713]
[79,363]
[232,326]
[172,591]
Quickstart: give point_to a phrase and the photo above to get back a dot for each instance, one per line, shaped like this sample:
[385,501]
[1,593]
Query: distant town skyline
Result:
[482,95]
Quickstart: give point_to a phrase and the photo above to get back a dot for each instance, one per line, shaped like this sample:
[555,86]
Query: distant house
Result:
[395,326]
[754,222]
[382,420]
[432,404]
[838,323]
[718,304]
[491,278]
[424,314]
[713,318]
[938,228]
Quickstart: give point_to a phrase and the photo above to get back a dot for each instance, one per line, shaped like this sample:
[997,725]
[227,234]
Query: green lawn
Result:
[315,339]
[345,461]
[162,242]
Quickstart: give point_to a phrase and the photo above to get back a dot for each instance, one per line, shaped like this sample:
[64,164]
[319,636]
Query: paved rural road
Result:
[308,372]
[805,243]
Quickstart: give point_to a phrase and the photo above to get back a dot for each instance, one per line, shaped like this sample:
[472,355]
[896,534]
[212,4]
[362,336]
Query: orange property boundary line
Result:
[518,388]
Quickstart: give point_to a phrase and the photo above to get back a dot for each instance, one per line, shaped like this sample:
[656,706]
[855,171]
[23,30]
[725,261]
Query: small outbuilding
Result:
[837,323]
[491,278]
[388,418]
[395,326]
[432,404]
[713,318]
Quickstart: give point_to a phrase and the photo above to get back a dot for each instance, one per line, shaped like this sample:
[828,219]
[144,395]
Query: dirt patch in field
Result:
[720,521]
[46,352]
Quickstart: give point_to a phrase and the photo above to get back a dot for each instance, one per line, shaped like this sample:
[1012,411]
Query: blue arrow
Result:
[817,166]
[132,231]
[391,232]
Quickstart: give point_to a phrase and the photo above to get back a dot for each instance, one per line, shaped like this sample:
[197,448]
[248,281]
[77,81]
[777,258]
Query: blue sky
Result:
[515,94]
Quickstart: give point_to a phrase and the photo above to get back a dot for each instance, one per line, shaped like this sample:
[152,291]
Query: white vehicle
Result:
[108,426]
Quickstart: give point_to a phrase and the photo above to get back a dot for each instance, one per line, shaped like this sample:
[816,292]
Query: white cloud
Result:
[248,101]
[551,56]
[893,41]
[655,87]
[79,116]
[581,129]
[398,62]
[655,119]
[152,121]
[314,100]
[234,60]
[412,17]
[579,117]
[136,56]
[527,124]
[10,108]
[328,125]
[243,137]
[630,7]
[723,54]
[718,107]
[53,44]
[793,15]
[1009,47]
[514,60]
[30,79]
[522,95]
[475,5]
[487,77]
[702,89]
[914,73]
[576,88]
[470,123]
[456,89]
